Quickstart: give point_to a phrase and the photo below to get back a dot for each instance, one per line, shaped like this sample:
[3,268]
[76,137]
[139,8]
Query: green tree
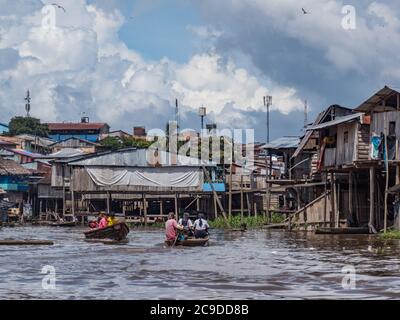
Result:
[113,143]
[27,125]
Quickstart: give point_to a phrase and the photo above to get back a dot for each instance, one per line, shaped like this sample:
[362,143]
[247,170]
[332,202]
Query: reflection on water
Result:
[253,265]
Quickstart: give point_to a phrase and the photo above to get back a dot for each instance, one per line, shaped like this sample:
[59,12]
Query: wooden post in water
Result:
[371,199]
[72,198]
[176,206]
[387,173]
[230,192]
[351,194]
[214,192]
[325,199]
[241,199]
[161,209]
[215,206]
[248,204]
[108,203]
[145,209]
[332,215]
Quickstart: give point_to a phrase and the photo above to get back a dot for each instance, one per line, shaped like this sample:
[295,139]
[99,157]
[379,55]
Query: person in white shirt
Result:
[186,223]
[201,227]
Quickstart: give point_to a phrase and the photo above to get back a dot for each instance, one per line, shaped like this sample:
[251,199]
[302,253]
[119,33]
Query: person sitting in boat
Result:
[111,220]
[93,224]
[187,224]
[103,221]
[171,227]
[201,227]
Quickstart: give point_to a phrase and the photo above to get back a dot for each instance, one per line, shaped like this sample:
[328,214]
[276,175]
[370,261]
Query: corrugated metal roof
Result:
[61,142]
[283,143]
[321,116]
[45,142]
[338,120]
[11,168]
[64,153]
[375,102]
[138,158]
[75,126]
[26,153]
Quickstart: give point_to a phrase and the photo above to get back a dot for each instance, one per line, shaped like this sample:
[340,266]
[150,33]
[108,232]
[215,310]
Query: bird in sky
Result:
[304,11]
[59,6]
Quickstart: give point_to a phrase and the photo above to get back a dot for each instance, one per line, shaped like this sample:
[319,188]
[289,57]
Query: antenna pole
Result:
[305,114]
[28,103]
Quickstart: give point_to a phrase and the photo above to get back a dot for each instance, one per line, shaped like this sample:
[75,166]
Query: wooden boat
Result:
[190,242]
[342,231]
[63,224]
[118,232]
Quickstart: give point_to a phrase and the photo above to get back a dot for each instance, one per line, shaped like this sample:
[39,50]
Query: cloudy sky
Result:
[124,62]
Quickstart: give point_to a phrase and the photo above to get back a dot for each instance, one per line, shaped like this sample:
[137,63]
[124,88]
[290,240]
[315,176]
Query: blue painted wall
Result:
[3,128]
[11,183]
[218,186]
[60,137]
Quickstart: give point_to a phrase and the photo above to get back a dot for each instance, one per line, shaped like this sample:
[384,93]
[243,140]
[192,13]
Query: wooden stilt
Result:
[72,200]
[145,209]
[351,213]
[241,200]
[230,192]
[214,192]
[215,206]
[325,200]
[176,206]
[248,204]
[332,215]
[371,199]
[387,174]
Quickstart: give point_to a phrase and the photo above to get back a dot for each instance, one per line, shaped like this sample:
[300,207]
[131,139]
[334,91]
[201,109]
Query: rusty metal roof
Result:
[11,168]
[338,120]
[374,103]
[283,143]
[75,126]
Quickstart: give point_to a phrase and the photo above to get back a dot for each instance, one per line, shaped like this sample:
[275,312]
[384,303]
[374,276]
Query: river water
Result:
[263,264]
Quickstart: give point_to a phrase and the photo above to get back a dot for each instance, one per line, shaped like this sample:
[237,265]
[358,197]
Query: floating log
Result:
[276,226]
[26,243]
[342,231]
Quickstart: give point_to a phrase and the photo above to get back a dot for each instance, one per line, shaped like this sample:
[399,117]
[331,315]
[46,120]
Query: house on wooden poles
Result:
[356,162]
[141,184]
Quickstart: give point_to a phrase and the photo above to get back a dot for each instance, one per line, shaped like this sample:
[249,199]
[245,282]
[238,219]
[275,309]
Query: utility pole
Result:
[28,103]
[305,115]
[177,124]
[267,104]
[202,114]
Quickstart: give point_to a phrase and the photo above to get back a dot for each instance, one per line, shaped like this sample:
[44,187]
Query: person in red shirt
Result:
[103,222]
[170,227]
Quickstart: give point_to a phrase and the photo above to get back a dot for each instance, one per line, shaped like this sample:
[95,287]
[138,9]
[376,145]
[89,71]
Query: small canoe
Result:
[63,224]
[190,242]
[342,231]
[117,232]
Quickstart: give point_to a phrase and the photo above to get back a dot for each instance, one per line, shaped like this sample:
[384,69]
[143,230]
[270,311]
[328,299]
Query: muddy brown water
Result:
[268,264]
